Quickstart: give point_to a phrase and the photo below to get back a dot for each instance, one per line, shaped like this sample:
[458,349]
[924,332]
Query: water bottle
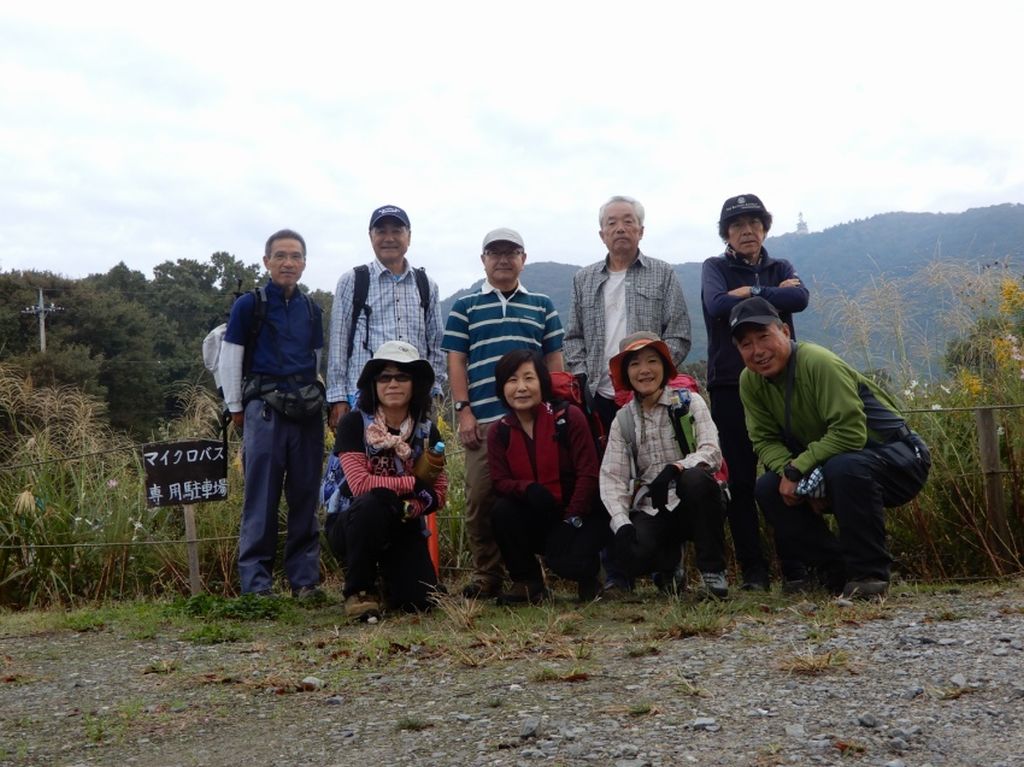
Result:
[430,464]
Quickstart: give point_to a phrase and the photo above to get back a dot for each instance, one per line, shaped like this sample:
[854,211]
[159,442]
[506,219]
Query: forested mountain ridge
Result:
[843,260]
[131,340]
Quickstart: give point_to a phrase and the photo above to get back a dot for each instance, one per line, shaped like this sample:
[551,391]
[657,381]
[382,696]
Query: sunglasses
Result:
[386,378]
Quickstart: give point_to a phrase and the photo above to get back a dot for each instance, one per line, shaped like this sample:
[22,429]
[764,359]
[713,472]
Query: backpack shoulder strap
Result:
[423,286]
[682,422]
[560,410]
[259,316]
[360,291]
[627,427]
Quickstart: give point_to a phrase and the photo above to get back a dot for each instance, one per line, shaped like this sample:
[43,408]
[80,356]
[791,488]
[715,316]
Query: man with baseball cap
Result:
[745,269]
[481,328]
[385,300]
[832,441]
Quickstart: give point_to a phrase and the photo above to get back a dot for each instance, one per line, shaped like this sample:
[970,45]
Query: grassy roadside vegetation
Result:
[74,527]
[559,635]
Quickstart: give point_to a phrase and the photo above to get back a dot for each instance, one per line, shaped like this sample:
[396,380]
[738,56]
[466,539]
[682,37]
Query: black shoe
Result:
[587,590]
[480,590]
[613,591]
[523,592]
[794,586]
[309,595]
[671,582]
[865,588]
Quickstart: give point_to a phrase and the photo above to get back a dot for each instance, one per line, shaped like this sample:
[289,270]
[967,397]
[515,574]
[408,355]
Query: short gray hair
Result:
[638,208]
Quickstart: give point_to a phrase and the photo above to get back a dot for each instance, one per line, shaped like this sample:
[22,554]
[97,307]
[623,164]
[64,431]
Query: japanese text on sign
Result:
[185,472]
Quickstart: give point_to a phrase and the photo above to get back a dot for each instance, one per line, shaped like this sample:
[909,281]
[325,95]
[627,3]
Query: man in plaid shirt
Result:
[624,293]
[394,313]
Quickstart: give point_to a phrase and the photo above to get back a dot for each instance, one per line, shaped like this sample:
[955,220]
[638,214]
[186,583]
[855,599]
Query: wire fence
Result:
[443,519]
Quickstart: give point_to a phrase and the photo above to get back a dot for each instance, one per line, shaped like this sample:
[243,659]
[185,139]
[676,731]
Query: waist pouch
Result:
[299,404]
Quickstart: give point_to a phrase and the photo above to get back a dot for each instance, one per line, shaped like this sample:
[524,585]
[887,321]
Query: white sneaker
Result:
[715,585]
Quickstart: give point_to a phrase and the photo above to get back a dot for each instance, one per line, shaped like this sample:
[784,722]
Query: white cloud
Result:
[128,133]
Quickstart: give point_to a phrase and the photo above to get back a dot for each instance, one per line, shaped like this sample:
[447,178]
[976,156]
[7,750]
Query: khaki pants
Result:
[483,547]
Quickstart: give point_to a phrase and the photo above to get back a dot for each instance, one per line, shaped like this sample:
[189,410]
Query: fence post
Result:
[988,447]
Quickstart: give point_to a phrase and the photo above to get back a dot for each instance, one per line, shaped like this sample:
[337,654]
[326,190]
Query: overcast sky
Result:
[144,132]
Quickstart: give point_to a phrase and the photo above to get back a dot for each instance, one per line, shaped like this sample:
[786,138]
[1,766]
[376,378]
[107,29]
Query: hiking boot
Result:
[714,585]
[481,590]
[670,582]
[795,586]
[262,593]
[523,592]
[362,605]
[309,595]
[756,580]
[865,588]
[587,590]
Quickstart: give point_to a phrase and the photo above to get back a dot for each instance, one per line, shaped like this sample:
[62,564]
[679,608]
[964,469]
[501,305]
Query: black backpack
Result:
[359,306]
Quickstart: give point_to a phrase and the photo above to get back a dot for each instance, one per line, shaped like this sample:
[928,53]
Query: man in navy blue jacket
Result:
[745,269]
[274,397]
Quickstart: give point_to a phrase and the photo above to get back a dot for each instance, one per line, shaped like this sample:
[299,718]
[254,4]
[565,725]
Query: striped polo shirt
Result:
[486,325]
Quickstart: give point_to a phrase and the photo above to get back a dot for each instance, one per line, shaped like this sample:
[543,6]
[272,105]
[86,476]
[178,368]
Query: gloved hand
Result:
[389,500]
[540,498]
[657,488]
[625,540]
[426,495]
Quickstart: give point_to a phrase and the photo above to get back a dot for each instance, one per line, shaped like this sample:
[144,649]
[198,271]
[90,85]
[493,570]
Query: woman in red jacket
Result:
[543,466]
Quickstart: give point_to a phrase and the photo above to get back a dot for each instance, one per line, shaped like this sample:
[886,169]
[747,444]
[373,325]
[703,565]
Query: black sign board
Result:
[185,472]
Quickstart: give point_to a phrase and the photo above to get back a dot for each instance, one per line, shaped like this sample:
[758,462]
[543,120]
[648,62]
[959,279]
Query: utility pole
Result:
[41,310]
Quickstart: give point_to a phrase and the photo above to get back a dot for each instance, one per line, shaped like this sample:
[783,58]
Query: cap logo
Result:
[741,200]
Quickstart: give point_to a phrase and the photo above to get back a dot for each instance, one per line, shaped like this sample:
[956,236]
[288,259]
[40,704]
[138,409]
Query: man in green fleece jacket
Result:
[832,442]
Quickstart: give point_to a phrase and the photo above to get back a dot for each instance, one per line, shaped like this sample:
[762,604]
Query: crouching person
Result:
[375,519]
[832,441]
[657,475]
[543,466]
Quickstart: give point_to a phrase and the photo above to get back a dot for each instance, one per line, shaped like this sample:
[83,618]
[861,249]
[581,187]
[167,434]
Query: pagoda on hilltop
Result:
[801,225]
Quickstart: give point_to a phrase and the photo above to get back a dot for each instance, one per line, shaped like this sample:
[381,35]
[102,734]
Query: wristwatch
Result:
[755,290]
[792,473]
[461,405]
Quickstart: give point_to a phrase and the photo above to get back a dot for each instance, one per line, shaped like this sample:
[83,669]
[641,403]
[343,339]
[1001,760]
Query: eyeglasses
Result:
[386,378]
[497,255]
[281,256]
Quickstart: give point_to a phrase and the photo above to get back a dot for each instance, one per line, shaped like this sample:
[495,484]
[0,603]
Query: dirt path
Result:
[921,679]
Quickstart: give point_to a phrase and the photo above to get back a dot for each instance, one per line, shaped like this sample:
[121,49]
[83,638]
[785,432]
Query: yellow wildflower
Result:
[1011,297]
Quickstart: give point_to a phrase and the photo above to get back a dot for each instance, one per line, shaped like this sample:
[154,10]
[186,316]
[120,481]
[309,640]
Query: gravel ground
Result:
[924,678]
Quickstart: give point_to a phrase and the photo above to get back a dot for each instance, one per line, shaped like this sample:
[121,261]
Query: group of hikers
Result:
[603,494]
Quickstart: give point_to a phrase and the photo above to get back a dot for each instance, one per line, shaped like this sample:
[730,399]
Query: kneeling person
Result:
[658,492]
[543,464]
[376,521]
[831,440]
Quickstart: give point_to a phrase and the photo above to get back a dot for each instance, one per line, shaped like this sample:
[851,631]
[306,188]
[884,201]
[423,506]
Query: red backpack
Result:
[573,389]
